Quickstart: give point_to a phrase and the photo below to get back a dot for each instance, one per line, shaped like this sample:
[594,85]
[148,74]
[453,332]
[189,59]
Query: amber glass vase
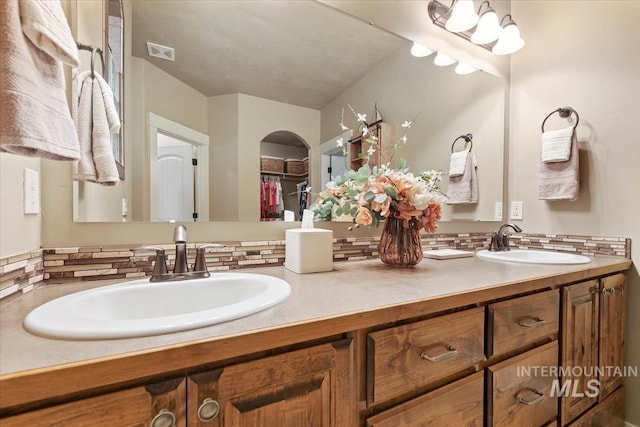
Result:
[400,243]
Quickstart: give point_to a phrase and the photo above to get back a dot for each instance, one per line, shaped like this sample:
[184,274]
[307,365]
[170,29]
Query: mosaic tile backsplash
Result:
[20,273]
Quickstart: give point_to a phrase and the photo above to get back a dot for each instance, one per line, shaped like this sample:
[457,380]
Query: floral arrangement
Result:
[372,194]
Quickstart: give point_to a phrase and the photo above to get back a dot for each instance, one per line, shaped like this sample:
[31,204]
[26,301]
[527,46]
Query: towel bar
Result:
[93,51]
[563,112]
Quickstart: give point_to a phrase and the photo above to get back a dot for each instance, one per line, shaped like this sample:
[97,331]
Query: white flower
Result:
[371,150]
[340,142]
[365,131]
[404,139]
[406,124]
[343,127]
[362,118]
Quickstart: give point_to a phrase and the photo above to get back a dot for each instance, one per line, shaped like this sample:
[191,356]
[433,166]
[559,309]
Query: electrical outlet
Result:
[31,192]
[497,215]
[125,209]
[516,210]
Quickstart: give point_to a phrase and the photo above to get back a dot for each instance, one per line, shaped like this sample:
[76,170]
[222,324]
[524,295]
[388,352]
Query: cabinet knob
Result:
[208,410]
[164,418]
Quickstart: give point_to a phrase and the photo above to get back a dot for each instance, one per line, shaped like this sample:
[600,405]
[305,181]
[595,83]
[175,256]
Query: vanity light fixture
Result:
[510,40]
[443,60]
[488,29]
[420,51]
[485,29]
[463,68]
[463,16]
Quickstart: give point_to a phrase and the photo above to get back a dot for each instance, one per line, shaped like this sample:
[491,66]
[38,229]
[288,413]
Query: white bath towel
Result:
[113,119]
[97,163]
[44,23]
[556,145]
[35,119]
[463,189]
[457,163]
[560,180]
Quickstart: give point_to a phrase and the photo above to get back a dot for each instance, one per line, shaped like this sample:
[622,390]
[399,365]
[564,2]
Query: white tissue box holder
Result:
[308,250]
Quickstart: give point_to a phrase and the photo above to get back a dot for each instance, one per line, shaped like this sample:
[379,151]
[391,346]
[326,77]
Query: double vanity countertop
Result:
[355,295]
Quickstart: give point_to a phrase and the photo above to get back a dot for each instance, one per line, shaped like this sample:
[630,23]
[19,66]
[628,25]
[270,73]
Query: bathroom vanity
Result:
[456,342]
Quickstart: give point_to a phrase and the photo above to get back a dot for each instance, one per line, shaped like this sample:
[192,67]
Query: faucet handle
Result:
[161,260]
[201,264]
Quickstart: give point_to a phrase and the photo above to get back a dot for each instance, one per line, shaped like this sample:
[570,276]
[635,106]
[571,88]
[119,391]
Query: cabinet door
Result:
[310,387]
[579,347]
[457,404]
[612,325]
[157,405]
[608,413]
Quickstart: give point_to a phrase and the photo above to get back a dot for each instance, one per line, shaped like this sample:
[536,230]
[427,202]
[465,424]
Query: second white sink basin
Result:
[535,257]
[141,308]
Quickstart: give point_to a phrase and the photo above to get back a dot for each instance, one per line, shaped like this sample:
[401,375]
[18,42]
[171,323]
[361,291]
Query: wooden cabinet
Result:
[592,343]
[310,387]
[519,392]
[517,322]
[382,136]
[458,404]
[609,413]
[408,357]
[157,405]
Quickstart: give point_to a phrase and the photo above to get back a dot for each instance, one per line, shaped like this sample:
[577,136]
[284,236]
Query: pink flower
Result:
[430,216]
[364,216]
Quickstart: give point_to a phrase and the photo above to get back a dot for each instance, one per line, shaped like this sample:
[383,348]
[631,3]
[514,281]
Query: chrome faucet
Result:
[180,268]
[500,239]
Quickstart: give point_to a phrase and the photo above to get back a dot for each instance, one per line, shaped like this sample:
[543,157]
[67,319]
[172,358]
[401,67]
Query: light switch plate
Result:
[516,210]
[31,192]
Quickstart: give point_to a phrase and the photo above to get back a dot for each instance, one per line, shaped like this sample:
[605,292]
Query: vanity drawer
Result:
[518,389]
[458,404]
[411,356]
[521,321]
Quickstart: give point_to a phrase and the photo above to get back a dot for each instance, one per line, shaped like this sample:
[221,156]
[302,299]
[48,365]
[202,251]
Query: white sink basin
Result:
[534,257]
[141,308]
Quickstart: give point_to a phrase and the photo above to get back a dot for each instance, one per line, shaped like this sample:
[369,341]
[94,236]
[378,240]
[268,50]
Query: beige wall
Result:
[583,55]
[19,233]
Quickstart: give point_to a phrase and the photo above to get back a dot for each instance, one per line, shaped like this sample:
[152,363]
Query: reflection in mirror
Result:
[245,70]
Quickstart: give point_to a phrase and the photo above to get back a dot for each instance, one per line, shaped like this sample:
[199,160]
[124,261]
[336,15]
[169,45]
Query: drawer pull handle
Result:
[164,418]
[538,322]
[538,400]
[208,410]
[451,352]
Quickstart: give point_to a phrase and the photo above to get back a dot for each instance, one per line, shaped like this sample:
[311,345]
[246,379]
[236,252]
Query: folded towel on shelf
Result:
[44,23]
[35,119]
[457,163]
[556,145]
[560,180]
[463,189]
[96,163]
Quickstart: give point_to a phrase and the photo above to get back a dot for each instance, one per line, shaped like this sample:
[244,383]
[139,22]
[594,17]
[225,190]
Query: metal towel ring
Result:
[467,138]
[564,112]
[93,57]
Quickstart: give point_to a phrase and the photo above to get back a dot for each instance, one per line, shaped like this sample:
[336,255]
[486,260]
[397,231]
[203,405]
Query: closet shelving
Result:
[286,176]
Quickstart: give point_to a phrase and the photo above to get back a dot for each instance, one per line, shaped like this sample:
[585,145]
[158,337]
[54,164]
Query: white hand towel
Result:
[556,145]
[113,119]
[463,189]
[457,163]
[44,23]
[97,163]
[560,180]
[35,119]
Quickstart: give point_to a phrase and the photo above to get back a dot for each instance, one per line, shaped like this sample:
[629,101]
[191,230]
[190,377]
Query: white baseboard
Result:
[628,424]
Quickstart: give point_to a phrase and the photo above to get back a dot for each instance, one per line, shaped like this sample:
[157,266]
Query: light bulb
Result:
[463,17]
[463,68]
[443,60]
[488,29]
[420,51]
[509,41]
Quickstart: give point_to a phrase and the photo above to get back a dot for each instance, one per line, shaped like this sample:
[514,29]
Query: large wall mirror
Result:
[218,78]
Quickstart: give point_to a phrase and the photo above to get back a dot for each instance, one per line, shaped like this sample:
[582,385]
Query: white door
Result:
[175,180]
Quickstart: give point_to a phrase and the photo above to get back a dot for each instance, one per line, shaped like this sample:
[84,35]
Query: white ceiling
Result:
[299,51]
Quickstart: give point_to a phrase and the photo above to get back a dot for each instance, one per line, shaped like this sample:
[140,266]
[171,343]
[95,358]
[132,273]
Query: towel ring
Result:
[93,51]
[563,112]
[467,138]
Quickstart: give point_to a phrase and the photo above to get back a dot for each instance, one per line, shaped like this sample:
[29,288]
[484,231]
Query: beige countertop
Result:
[356,295]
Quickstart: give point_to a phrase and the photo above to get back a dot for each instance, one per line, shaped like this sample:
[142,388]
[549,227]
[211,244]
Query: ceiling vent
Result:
[162,52]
